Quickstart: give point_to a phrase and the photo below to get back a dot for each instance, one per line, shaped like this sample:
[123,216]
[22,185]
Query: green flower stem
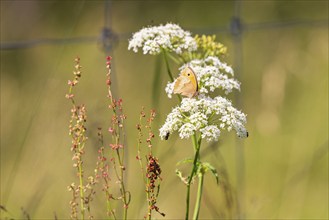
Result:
[173,58]
[196,145]
[165,55]
[187,202]
[195,142]
[199,195]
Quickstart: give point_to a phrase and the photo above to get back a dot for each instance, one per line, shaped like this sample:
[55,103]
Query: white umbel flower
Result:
[200,114]
[211,133]
[186,130]
[206,115]
[170,89]
[174,122]
[170,37]
[211,74]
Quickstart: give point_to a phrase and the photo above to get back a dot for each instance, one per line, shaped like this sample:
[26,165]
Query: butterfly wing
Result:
[186,84]
[180,84]
[193,79]
[188,90]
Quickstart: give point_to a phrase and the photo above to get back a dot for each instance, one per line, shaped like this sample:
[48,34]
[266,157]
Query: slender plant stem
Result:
[165,55]
[149,214]
[167,65]
[122,185]
[107,193]
[139,153]
[187,202]
[199,195]
[81,191]
[82,196]
[196,145]
[173,58]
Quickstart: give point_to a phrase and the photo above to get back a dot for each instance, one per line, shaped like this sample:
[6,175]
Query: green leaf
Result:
[208,166]
[186,160]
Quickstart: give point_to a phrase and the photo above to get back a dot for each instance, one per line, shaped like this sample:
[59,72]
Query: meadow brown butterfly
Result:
[186,84]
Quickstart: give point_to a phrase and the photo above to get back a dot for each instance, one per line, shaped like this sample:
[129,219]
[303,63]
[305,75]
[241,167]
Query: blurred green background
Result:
[284,75]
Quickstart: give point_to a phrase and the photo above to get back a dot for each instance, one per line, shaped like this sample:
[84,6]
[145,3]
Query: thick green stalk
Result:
[187,202]
[199,195]
[196,145]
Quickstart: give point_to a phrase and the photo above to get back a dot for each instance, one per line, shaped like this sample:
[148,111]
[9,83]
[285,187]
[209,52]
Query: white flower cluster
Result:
[203,114]
[211,74]
[170,37]
[206,115]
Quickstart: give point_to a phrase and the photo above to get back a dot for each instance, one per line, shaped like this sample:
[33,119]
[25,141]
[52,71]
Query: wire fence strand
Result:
[108,36]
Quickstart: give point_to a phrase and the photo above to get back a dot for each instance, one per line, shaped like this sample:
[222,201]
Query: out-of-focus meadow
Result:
[284,76]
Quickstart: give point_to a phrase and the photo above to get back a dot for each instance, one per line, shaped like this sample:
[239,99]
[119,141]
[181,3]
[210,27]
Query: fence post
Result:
[236,30]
